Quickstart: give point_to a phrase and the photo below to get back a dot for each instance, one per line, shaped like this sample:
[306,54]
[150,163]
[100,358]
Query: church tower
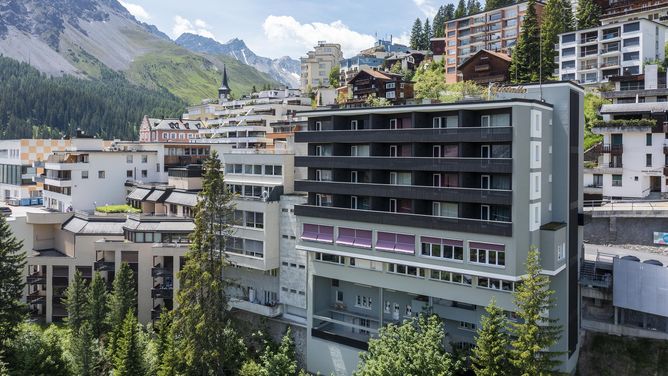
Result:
[224,89]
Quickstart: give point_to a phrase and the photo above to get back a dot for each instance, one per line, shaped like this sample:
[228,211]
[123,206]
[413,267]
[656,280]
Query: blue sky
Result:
[275,28]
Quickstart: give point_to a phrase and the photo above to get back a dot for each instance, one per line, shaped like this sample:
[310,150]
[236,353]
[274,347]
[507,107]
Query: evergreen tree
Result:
[416,34]
[534,333]
[494,4]
[461,9]
[557,18]
[128,360]
[525,65]
[492,350]
[588,14]
[82,348]
[76,303]
[426,35]
[412,348]
[167,353]
[209,346]
[35,351]
[12,281]
[473,7]
[123,299]
[97,306]
[438,24]
[282,361]
[449,12]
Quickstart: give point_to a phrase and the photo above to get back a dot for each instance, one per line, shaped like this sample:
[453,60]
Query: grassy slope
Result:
[191,76]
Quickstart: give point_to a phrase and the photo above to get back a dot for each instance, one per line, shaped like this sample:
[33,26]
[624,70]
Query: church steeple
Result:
[224,89]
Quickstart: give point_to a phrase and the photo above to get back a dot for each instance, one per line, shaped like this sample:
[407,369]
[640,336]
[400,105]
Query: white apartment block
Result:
[317,64]
[95,177]
[631,161]
[592,56]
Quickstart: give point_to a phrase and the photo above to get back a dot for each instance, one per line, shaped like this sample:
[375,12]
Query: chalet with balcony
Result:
[372,83]
[486,67]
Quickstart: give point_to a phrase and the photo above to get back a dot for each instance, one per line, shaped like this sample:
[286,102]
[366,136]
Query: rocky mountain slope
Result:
[86,38]
[284,69]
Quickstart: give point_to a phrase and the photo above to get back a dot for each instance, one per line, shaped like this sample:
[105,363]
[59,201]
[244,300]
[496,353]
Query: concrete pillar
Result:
[176,263]
[382,306]
[117,259]
[71,271]
[49,293]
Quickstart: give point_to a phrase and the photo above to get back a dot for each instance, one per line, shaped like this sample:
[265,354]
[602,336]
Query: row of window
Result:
[250,169]
[248,247]
[248,190]
[436,275]
[130,158]
[628,28]
[448,249]
[249,219]
[156,237]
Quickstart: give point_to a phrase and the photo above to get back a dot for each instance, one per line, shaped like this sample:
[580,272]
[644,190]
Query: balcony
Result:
[104,266]
[265,310]
[158,271]
[477,226]
[462,134]
[162,291]
[341,326]
[623,125]
[454,194]
[593,190]
[36,279]
[609,149]
[491,165]
[36,298]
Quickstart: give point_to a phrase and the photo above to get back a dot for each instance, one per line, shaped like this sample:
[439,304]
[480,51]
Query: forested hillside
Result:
[35,105]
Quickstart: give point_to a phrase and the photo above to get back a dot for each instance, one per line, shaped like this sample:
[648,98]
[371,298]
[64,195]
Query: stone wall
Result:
[616,230]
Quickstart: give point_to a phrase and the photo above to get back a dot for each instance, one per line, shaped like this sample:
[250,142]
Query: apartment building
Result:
[616,11]
[494,30]
[437,215]
[376,58]
[168,130]
[631,160]
[95,176]
[594,55]
[318,63]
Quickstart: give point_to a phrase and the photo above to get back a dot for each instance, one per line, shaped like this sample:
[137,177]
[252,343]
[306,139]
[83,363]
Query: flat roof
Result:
[613,25]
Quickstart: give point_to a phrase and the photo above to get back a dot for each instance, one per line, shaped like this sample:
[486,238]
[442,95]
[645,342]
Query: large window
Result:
[631,56]
[395,242]
[632,42]
[318,233]
[496,284]
[405,270]
[635,26]
[248,247]
[489,254]
[568,38]
[325,257]
[442,248]
[354,238]
[616,180]
[444,276]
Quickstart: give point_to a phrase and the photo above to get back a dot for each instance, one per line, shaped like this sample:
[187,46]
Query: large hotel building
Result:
[433,208]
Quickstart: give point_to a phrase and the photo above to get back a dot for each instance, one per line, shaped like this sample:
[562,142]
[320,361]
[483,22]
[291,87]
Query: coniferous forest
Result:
[33,104]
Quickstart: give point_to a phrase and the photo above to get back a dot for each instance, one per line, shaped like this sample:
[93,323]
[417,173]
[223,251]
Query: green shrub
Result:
[117,209]
[624,123]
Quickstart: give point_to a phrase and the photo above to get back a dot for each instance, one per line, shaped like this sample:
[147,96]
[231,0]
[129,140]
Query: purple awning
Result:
[487,246]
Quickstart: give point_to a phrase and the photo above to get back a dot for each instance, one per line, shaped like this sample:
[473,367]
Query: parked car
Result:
[5,211]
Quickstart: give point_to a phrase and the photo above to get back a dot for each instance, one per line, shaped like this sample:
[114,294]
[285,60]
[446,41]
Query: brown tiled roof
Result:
[498,55]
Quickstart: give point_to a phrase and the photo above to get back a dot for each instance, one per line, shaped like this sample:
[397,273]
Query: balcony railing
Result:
[36,279]
[162,291]
[104,266]
[158,271]
[609,149]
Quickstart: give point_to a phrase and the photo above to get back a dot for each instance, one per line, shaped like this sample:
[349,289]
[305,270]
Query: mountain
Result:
[90,38]
[284,69]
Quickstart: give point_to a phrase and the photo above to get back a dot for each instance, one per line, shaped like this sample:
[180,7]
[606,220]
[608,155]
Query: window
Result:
[568,51]
[144,173]
[631,42]
[445,209]
[354,237]
[648,160]
[496,284]
[390,85]
[323,200]
[536,123]
[362,301]
[400,243]
[570,64]
[128,158]
[467,325]
[631,56]
[443,276]
[317,233]
[84,174]
[406,270]
[561,251]
[442,248]
[489,254]
[353,202]
[325,257]
[100,174]
[648,139]
[393,123]
[635,26]
[323,175]
[485,121]
[394,150]
[318,126]
[254,219]
[484,212]
[339,296]
[393,205]
[353,176]
[144,158]
[128,173]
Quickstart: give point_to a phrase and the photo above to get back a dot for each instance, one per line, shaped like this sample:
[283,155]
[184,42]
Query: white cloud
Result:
[136,10]
[294,38]
[426,7]
[183,25]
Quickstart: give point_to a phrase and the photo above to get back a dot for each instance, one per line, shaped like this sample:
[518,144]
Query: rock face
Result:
[285,69]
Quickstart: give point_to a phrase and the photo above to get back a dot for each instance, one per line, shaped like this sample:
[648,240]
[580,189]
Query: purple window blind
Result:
[310,232]
[363,238]
[385,241]
[487,246]
[346,236]
[405,244]
[454,243]
[325,234]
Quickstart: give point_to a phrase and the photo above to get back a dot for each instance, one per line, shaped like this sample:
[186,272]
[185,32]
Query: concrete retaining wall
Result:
[614,230]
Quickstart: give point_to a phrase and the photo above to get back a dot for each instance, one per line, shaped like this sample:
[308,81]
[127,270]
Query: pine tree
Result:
[82,348]
[426,35]
[492,350]
[557,18]
[123,300]
[207,343]
[12,281]
[588,14]
[169,360]
[473,7]
[438,24]
[494,4]
[461,9]
[412,348]
[449,12]
[282,361]
[128,359]
[534,333]
[416,34]
[76,303]
[97,306]
[525,65]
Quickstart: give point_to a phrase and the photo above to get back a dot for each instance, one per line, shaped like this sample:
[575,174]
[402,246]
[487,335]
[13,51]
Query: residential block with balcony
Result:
[433,208]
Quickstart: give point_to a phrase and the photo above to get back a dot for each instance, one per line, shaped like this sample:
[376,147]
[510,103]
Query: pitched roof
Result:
[171,124]
[498,55]
[377,74]
[93,227]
